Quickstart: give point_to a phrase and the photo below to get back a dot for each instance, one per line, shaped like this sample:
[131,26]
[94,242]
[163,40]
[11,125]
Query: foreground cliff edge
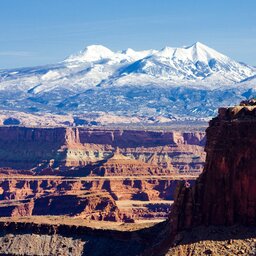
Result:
[216,216]
[224,195]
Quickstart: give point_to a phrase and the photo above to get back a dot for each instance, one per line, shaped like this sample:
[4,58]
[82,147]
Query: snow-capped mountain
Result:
[172,83]
[195,63]
[99,53]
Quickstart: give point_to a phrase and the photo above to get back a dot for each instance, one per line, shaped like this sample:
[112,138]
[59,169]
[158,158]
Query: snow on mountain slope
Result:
[174,83]
[194,63]
[102,55]
[91,53]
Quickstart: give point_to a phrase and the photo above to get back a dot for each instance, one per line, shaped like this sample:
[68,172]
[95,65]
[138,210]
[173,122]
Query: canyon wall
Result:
[59,149]
[225,193]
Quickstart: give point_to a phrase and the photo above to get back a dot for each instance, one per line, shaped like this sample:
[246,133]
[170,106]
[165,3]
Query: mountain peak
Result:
[195,52]
[198,45]
[97,47]
[204,53]
[91,53]
[128,50]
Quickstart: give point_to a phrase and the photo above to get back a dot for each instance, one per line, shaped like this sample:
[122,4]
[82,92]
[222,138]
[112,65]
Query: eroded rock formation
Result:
[95,198]
[225,193]
[98,174]
[53,150]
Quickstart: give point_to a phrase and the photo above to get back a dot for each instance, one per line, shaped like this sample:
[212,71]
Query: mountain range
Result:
[187,83]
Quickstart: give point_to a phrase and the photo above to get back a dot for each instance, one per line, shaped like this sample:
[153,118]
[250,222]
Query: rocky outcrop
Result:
[225,193]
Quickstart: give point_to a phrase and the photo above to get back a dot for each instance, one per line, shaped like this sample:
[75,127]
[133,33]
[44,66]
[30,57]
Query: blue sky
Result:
[35,32]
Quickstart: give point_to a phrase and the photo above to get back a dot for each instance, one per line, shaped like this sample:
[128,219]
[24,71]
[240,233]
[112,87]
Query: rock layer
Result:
[52,150]
[95,198]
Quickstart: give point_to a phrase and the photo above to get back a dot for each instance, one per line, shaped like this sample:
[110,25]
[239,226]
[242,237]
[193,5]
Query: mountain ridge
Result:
[184,83]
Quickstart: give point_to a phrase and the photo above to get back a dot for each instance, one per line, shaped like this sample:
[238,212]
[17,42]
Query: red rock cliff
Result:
[225,193]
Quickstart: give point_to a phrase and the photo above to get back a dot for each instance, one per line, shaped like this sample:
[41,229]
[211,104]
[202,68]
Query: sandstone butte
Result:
[215,216]
[98,175]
